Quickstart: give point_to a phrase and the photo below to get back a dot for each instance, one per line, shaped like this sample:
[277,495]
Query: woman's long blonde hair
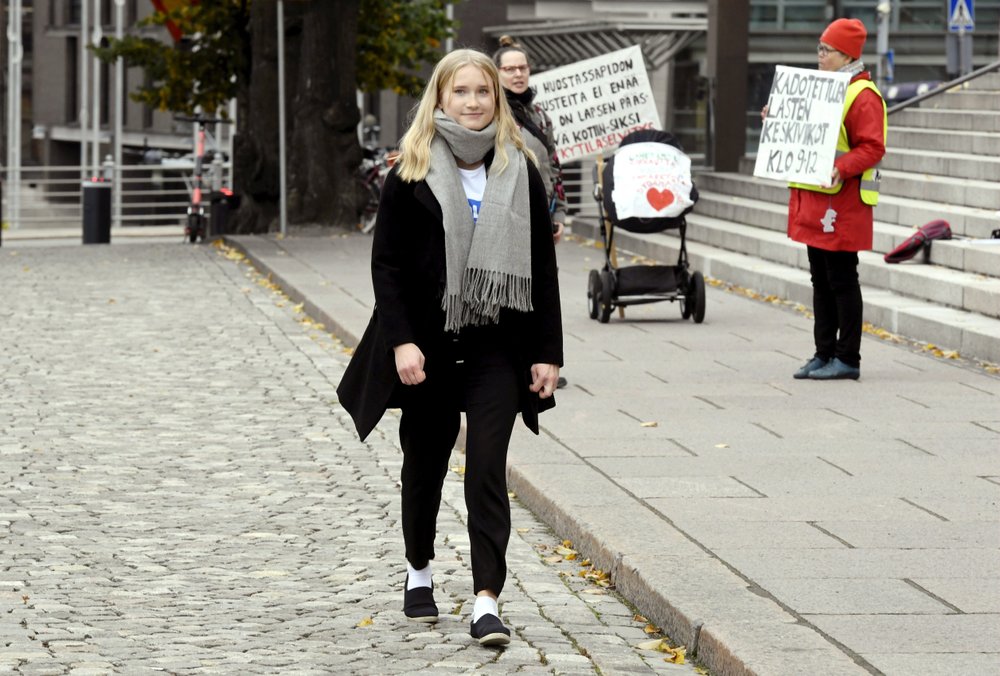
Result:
[415,146]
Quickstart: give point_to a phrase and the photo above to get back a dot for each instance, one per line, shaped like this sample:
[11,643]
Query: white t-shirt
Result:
[474,182]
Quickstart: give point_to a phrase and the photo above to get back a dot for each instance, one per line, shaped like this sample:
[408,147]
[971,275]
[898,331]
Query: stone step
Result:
[942,189]
[972,143]
[965,120]
[990,81]
[941,163]
[965,255]
[908,212]
[937,189]
[972,334]
[962,99]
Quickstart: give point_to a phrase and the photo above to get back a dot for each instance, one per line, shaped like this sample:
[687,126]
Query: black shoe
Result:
[418,604]
[836,370]
[561,383]
[490,631]
[810,366]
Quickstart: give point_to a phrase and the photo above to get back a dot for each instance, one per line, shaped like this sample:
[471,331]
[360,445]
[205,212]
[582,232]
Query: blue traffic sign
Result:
[961,16]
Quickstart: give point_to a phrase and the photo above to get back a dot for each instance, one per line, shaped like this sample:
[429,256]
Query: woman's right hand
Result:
[409,363]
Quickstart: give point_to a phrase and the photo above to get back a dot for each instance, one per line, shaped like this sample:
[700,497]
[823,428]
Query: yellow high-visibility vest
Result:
[870,179]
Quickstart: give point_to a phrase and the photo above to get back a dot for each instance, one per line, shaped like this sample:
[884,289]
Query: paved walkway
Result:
[777,526]
[180,494]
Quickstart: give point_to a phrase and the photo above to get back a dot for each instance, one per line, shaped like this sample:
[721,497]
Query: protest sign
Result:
[595,103]
[798,141]
[651,180]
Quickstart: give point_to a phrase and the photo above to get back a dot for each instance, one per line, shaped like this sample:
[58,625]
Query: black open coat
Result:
[408,275]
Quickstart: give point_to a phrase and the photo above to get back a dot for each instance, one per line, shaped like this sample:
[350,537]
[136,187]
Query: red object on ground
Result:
[938,229]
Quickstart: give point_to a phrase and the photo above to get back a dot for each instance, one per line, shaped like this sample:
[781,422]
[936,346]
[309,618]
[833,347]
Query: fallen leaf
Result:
[553,559]
[367,622]
[593,590]
[523,530]
[676,655]
[651,629]
[649,424]
[722,445]
[567,553]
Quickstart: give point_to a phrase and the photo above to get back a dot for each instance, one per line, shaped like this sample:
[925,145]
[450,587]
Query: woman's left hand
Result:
[543,379]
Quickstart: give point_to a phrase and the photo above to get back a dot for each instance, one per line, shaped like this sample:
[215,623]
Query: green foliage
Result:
[204,69]
[396,38]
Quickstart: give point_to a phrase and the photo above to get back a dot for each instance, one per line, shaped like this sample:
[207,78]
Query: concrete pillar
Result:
[728,48]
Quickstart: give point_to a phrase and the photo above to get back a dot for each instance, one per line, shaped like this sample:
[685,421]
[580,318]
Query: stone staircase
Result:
[943,161]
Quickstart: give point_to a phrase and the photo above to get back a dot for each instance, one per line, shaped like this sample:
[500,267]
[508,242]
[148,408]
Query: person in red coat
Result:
[835,221]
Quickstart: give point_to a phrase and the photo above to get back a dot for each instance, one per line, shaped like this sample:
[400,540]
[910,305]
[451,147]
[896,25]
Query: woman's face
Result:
[830,59]
[514,71]
[469,98]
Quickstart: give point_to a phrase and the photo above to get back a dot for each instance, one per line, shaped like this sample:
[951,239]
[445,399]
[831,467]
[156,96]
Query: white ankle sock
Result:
[418,578]
[485,605]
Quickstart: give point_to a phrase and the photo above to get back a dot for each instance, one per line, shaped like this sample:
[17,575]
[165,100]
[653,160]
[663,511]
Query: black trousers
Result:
[837,305]
[476,374]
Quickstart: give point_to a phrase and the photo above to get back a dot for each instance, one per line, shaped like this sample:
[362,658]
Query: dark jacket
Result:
[539,136]
[408,275]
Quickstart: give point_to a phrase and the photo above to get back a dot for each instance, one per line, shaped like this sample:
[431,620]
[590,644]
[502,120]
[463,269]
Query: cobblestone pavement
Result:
[179,495]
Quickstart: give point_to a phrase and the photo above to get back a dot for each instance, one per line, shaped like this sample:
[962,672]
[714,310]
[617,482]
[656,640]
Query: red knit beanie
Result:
[847,36]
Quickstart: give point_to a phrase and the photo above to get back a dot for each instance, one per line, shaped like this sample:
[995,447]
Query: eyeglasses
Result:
[823,50]
[510,70]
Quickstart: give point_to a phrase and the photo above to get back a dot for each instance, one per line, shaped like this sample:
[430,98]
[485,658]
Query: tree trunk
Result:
[255,147]
[324,152]
[322,115]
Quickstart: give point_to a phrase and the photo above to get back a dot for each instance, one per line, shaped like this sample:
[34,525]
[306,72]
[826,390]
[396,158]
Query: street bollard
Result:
[221,203]
[96,212]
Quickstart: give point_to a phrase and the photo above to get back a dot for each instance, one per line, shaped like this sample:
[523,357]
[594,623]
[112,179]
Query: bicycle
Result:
[194,228]
[375,165]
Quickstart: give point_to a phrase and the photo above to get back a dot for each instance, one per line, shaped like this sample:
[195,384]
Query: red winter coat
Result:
[853,224]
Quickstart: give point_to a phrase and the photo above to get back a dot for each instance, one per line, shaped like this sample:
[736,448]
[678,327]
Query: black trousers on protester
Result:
[479,376]
[837,305]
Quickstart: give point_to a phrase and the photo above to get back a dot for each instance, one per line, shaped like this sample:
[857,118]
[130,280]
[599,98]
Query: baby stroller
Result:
[645,187]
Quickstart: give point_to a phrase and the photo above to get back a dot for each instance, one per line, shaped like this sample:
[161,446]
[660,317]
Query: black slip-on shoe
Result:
[810,366]
[489,631]
[418,604]
[836,370]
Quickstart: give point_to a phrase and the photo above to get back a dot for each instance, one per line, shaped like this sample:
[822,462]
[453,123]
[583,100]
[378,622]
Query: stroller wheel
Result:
[607,293]
[697,301]
[594,293]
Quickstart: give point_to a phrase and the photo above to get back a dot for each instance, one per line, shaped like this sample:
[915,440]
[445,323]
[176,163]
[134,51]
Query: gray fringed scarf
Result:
[489,261]
[854,67]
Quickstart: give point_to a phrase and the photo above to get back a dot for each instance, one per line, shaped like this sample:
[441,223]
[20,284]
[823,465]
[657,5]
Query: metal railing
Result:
[985,70]
[47,197]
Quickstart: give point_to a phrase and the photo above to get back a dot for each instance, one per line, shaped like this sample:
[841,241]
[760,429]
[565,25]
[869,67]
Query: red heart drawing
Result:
[659,199]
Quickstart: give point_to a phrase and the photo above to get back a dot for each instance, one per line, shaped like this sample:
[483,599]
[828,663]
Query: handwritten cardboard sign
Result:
[652,180]
[595,103]
[798,141]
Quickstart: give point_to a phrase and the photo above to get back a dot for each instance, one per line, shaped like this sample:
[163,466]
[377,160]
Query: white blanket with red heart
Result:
[651,180]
